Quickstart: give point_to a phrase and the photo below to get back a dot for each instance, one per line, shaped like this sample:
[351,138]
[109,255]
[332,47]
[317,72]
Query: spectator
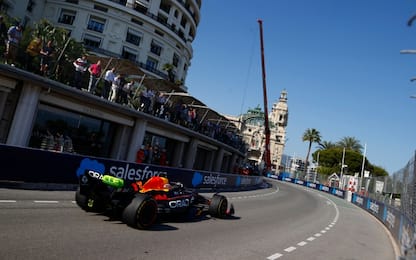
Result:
[149,157]
[95,72]
[123,82]
[115,88]
[81,65]
[148,96]
[192,122]
[126,91]
[156,155]
[14,35]
[163,158]
[3,33]
[140,155]
[108,81]
[144,100]
[46,53]
[32,51]
[158,104]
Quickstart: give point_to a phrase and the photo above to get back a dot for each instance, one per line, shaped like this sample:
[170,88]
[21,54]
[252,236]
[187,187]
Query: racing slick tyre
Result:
[89,204]
[141,213]
[218,206]
[81,200]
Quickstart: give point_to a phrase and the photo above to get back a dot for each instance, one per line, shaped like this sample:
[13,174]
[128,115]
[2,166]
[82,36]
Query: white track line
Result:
[315,236]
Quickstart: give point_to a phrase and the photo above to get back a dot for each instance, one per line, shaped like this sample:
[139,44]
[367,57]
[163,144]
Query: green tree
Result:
[311,135]
[350,143]
[66,49]
[377,171]
[326,145]
[169,68]
[330,162]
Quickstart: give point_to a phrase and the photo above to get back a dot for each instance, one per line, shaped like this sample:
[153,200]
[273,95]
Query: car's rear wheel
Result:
[218,206]
[81,200]
[89,202]
[141,213]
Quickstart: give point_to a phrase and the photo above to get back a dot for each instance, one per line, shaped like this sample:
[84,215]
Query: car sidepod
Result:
[141,213]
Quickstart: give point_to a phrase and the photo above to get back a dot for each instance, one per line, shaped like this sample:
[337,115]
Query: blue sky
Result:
[339,62]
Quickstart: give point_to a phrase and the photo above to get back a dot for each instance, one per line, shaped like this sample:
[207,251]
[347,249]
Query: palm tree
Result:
[350,143]
[312,136]
[325,145]
[66,49]
[169,68]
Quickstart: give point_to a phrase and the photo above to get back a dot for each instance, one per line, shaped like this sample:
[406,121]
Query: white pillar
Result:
[136,139]
[24,116]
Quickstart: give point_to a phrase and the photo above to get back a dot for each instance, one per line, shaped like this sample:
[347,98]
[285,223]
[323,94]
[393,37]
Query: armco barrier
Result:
[20,164]
[400,227]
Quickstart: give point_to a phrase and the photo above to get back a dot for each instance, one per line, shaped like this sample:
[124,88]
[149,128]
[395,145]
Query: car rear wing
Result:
[104,178]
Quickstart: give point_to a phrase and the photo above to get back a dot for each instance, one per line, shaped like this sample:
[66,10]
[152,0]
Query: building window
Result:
[165,6]
[155,48]
[72,1]
[101,8]
[96,24]
[159,33]
[133,37]
[191,33]
[162,19]
[183,21]
[139,7]
[175,60]
[92,41]
[129,54]
[67,16]
[136,21]
[151,64]
[61,130]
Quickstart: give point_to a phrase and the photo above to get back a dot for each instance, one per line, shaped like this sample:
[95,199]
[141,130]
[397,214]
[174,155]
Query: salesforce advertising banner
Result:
[392,220]
[376,208]
[359,201]
[33,165]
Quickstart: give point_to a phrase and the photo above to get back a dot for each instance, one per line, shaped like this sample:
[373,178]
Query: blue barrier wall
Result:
[400,226]
[38,166]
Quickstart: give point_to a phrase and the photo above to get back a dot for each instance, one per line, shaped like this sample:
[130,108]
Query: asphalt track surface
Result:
[286,221]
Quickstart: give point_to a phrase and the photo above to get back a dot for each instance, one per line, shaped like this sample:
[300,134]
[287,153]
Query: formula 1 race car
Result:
[142,205]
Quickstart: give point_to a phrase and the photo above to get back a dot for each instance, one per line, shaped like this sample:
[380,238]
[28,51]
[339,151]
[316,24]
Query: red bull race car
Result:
[141,205]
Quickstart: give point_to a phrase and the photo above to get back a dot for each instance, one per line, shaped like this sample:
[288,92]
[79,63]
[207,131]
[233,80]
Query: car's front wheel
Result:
[218,206]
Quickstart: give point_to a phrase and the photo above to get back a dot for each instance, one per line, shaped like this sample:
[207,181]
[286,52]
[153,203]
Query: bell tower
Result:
[278,120]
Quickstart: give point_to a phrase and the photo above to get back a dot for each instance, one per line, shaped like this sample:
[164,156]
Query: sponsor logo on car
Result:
[179,203]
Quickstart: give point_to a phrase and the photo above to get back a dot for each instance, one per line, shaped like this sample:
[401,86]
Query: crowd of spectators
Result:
[152,155]
[113,86]
[158,104]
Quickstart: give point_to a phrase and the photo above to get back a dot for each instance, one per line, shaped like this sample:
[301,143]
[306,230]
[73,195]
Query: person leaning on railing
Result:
[14,35]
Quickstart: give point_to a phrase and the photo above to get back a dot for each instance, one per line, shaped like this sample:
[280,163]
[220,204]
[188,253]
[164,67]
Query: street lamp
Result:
[342,165]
